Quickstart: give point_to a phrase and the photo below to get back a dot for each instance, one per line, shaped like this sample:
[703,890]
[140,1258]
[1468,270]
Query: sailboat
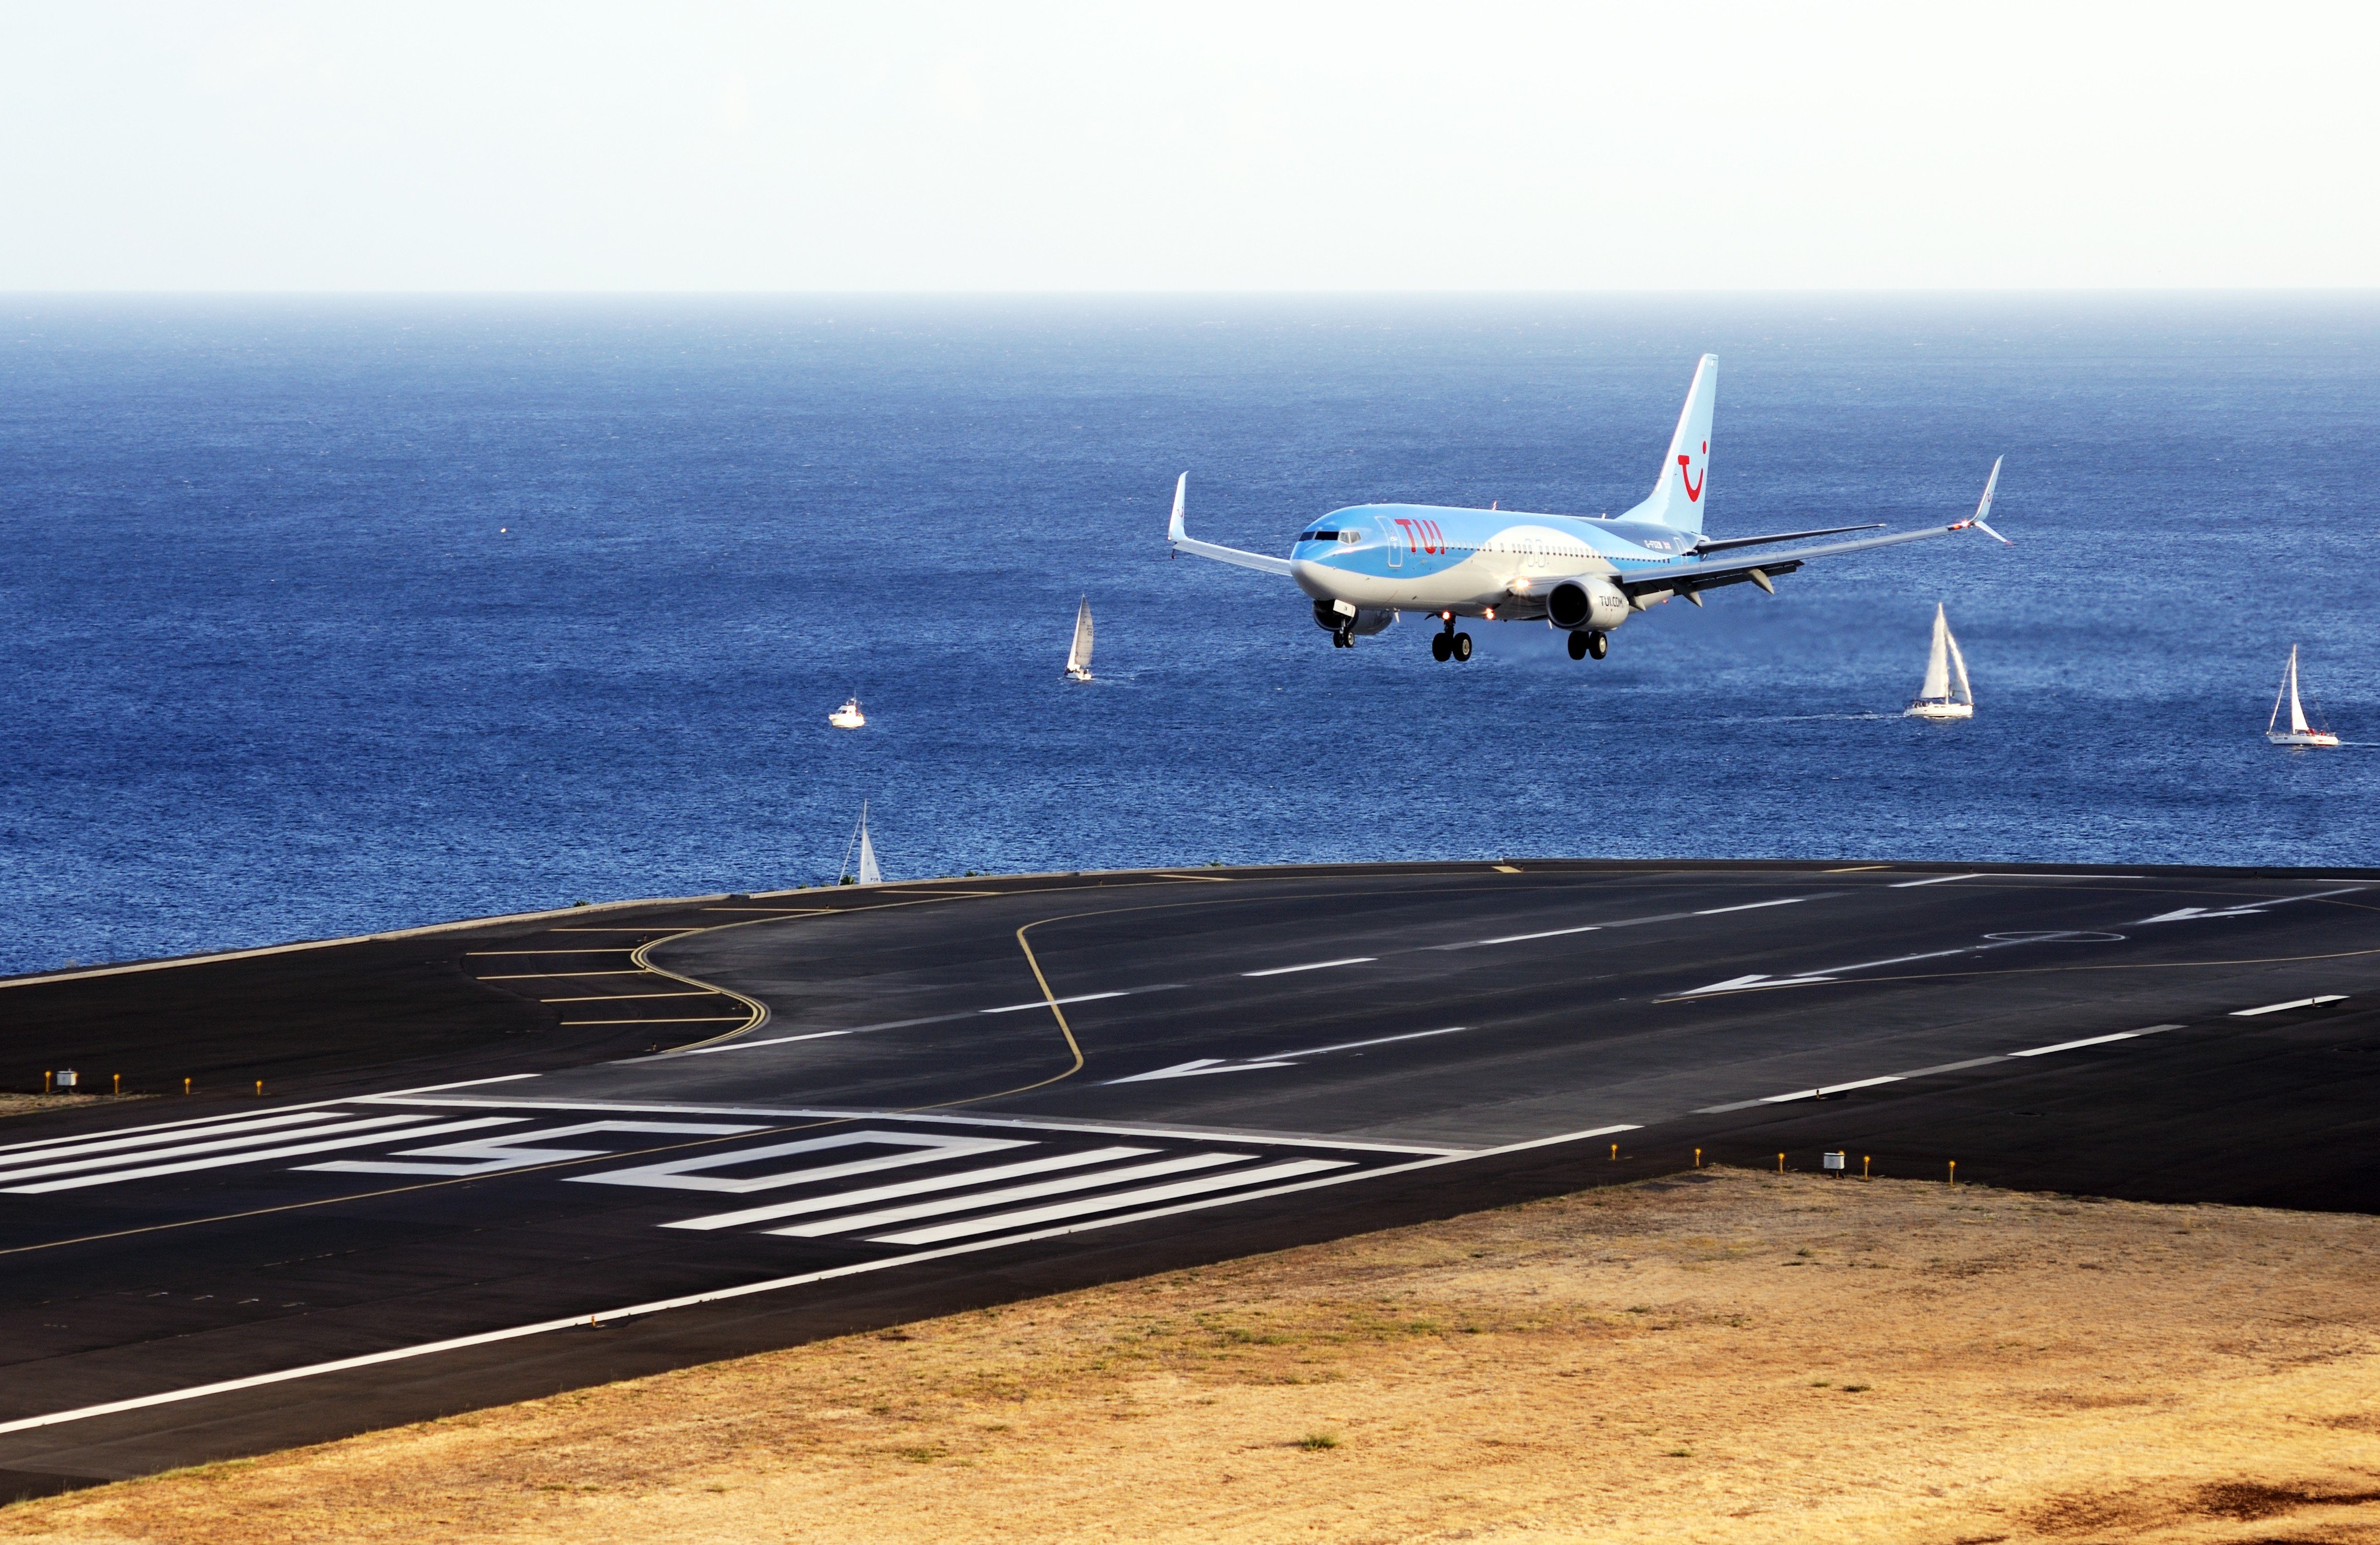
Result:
[848,717]
[1936,699]
[1078,658]
[2300,733]
[869,873]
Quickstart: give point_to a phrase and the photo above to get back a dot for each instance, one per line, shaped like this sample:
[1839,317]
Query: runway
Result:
[685,1131]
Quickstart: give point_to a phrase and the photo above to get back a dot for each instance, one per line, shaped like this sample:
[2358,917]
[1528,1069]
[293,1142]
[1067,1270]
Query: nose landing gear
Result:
[1583,644]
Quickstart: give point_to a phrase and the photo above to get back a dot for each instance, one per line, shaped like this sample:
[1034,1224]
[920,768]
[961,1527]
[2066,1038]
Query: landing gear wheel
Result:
[1462,646]
[1339,639]
[1598,644]
[1578,646]
[1438,646]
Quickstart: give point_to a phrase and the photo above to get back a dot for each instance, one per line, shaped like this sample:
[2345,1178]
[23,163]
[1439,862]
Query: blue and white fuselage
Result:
[1365,565]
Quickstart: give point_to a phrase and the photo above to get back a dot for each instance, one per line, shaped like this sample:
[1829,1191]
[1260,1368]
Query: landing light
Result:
[1489,614]
[1446,617]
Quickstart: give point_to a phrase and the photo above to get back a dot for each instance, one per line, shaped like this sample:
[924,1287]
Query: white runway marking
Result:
[1548,933]
[1203,1066]
[868,1194]
[685,1175]
[1313,965]
[2246,909]
[2294,1002]
[32,1165]
[977,1202]
[47,1147]
[1928,1072]
[488,1155]
[217,1161]
[1829,1088]
[775,1284]
[1932,880]
[1045,1003]
[1032,1216]
[1750,907]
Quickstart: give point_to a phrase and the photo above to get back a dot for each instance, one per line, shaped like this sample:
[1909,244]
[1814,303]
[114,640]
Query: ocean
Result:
[322,617]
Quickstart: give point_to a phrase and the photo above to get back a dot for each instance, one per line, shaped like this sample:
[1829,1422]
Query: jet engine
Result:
[1592,604]
[1366,621]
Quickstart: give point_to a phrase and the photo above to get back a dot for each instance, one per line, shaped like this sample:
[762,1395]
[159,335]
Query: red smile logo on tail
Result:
[1686,474]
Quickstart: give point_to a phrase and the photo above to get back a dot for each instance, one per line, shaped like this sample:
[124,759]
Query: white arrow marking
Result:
[1279,1059]
[2247,909]
[1198,1068]
[1745,984]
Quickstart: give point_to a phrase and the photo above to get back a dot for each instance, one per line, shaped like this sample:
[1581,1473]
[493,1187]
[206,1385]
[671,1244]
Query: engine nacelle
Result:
[1366,621]
[1592,605]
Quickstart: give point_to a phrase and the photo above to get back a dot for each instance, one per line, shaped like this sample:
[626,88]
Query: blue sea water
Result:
[322,617]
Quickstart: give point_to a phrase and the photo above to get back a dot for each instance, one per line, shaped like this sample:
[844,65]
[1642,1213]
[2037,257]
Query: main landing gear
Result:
[1448,643]
[1583,644]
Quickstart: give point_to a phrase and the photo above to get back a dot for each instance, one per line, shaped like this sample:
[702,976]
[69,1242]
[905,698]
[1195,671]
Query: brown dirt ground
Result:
[26,1104]
[1632,1364]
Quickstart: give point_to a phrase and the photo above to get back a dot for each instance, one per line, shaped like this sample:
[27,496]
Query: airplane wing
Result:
[1182,541]
[1701,574]
[1704,574]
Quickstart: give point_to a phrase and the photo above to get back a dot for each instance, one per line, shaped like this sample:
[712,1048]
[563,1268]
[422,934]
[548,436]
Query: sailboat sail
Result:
[1078,658]
[2301,731]
[1959,668]
[869,873]
[1937,664]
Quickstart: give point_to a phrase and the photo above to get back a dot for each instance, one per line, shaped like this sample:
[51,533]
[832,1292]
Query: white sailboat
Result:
[848,717]
[869,873]
[1078,658]
[1937,698]
[2300,732]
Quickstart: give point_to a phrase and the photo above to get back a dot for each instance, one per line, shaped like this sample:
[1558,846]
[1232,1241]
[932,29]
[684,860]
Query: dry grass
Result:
[26,1104]
[1627,1365]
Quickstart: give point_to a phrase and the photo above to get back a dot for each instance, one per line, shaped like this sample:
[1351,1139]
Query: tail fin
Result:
[1677,497]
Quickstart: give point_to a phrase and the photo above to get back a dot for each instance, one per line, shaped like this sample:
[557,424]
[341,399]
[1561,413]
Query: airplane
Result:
[1584,575]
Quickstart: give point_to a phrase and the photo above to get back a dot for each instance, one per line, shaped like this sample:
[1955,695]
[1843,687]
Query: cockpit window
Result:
[1319,534]
[1350,536]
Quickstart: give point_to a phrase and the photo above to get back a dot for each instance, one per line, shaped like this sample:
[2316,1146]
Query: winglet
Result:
[1984,507]
[1173,531]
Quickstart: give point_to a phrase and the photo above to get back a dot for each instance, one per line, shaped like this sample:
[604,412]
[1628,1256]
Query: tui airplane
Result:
[1584,575]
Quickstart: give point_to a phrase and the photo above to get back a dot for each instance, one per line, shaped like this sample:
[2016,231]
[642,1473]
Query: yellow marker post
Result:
[1864,1159]
[259,1087]
[45,1081]
[1954,1172]
[1781,1163]
[1615,1151]
[119,1084]
[186,1086]
[1698,1158]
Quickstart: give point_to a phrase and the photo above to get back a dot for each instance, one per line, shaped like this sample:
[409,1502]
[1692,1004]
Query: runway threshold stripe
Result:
[220,1161]
[1931,880]
[32,1166]
[2086,1040]
[1030,1216]
[976,1203]
[867,1195]
[1313,965]
[1746,907]
[63,1148]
